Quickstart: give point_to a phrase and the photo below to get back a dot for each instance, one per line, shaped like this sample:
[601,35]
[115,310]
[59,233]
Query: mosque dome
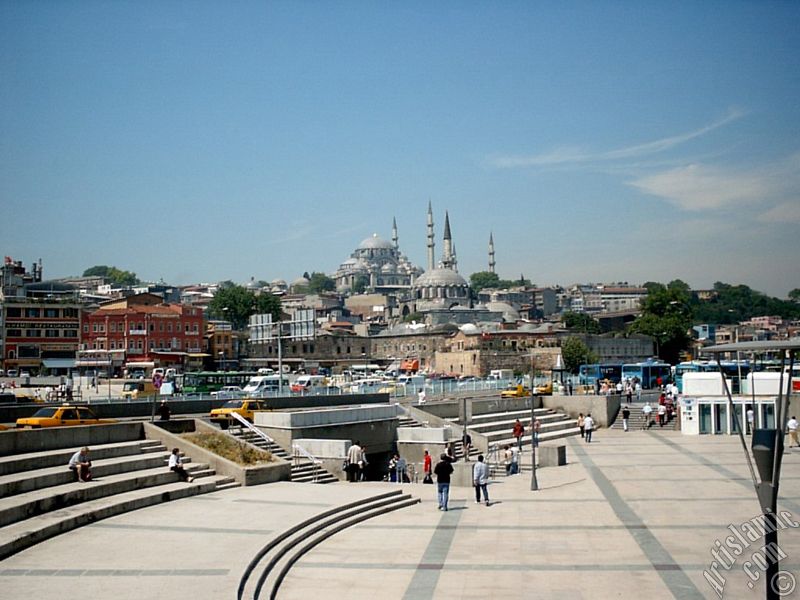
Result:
[375,242]
[300,282]
[440,278]
[278,283]
[509,313]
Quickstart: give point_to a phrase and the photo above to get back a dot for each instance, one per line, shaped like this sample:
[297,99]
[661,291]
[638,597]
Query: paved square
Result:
[633,515]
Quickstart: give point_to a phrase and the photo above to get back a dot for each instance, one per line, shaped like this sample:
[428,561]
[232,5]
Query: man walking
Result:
[751,420]
[443,470]
[588,427]
[626,415]
[536,427]
[353,458]
[518,432]
[792,426]
[646,411]
[480,477]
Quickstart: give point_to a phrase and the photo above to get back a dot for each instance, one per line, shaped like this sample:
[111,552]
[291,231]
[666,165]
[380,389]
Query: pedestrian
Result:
[662,415]
[362,465]
[751,420]
[518,432]
[569,387]
[792,426]
[629,392]
[353,457]
[466,443]
[480,478]
[507,454]
[514,460]
[164,411]
[450,451]
[588,426]
[421,396]
[443,470]
[81,465]
[582,425]
[393,468]
[427,468]
[646,411]
[401,466]
[536,427]
[626,415]
[176,464]
[637,387]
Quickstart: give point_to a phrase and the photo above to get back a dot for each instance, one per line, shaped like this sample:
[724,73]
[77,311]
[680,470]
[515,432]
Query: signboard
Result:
[157,381]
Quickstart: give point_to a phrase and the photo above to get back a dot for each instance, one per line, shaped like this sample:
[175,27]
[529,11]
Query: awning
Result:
[58,363]
[92,363]
[197,355]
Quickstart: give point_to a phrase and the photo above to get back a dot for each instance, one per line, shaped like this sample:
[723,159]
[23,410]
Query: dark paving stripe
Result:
[511,567]
[746,483]
[114,572]
[183,529]
[426,575]
[675,579]
[542,527]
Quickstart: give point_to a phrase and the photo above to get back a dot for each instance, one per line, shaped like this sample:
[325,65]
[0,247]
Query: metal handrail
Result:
[299,451]
[245,423]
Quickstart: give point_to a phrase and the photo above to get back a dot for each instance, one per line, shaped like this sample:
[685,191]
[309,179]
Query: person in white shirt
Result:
[480,477]
[751,420]
[646,411]
[792,426]
[176,464]
[588,427]
[353,457]
[662,415]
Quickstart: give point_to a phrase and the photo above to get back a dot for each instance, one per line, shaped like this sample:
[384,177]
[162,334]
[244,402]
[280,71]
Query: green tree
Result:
[794,295]
[484,279]
[361,284]
[575,353]
[114,274]
[415,316]
[667,313]
[237,303]
[321,283]
[575,321]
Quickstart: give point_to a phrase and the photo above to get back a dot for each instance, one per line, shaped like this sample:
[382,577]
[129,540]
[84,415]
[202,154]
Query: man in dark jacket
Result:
[443,470]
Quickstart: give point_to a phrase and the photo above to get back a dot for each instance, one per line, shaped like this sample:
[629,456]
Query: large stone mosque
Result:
[383,269]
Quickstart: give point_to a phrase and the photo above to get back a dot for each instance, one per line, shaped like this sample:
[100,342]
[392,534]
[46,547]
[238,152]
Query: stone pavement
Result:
[633,515]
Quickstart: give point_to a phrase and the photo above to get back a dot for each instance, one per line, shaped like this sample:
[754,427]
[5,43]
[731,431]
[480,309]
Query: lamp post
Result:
[534,481]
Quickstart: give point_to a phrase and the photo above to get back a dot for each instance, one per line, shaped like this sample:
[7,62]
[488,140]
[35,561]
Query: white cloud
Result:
[698,187]
[574,154]
[788,212]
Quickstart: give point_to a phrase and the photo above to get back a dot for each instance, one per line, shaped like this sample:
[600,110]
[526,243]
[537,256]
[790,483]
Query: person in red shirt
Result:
[426,465]
[518,431]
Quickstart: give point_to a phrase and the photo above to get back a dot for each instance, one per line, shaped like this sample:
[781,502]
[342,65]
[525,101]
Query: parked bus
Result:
[648,373]
[731,368]
[206,382]
[591,374]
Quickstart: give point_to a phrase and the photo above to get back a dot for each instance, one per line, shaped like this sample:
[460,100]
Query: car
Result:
[515,391]
[61,416]
[12,373]
[137,389]
[24,374]
[244,407]
[545,390]
[229,392]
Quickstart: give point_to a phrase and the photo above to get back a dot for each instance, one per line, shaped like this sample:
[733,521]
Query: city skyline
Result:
[596,143]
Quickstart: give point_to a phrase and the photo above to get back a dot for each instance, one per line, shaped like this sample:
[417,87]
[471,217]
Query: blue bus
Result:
[591,374]
[647,373]
[731,368]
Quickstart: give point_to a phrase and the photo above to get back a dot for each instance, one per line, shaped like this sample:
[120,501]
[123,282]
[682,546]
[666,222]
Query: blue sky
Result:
[599,141]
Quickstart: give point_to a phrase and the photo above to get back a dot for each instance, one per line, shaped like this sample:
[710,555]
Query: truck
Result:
[501,374]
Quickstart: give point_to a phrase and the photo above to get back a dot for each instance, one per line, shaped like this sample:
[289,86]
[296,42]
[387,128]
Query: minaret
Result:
[455,260]
[431,242]
[395,240]
[447,251]
[491,253]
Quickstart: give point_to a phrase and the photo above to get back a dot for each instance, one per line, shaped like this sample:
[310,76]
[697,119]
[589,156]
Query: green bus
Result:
[206,382]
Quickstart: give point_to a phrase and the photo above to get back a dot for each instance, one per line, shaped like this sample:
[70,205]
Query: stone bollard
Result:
[552,456]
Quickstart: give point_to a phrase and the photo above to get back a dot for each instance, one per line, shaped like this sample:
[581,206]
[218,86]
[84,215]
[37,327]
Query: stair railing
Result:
[252,428]
[301,453]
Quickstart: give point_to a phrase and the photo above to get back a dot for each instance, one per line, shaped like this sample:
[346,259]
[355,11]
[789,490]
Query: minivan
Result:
[135,389]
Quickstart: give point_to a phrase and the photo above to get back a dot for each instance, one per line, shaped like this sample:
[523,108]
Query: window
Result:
[33,333]
[169,327]
[13,312]
[102,328]
[70,313]
[112,327]
[161,327]
[51,313]
[32,313]
[51,333]
[152,326]
[85,328]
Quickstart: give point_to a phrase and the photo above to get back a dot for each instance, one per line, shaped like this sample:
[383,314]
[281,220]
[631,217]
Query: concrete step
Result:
[546,428]
[17,463]
[552,423]
[17,483]
[30,504]
[543,437]
[512,415]
[18,536]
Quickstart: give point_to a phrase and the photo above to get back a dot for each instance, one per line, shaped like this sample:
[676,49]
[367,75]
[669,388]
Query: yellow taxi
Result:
[515,391]
[61,416]
[244,407]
